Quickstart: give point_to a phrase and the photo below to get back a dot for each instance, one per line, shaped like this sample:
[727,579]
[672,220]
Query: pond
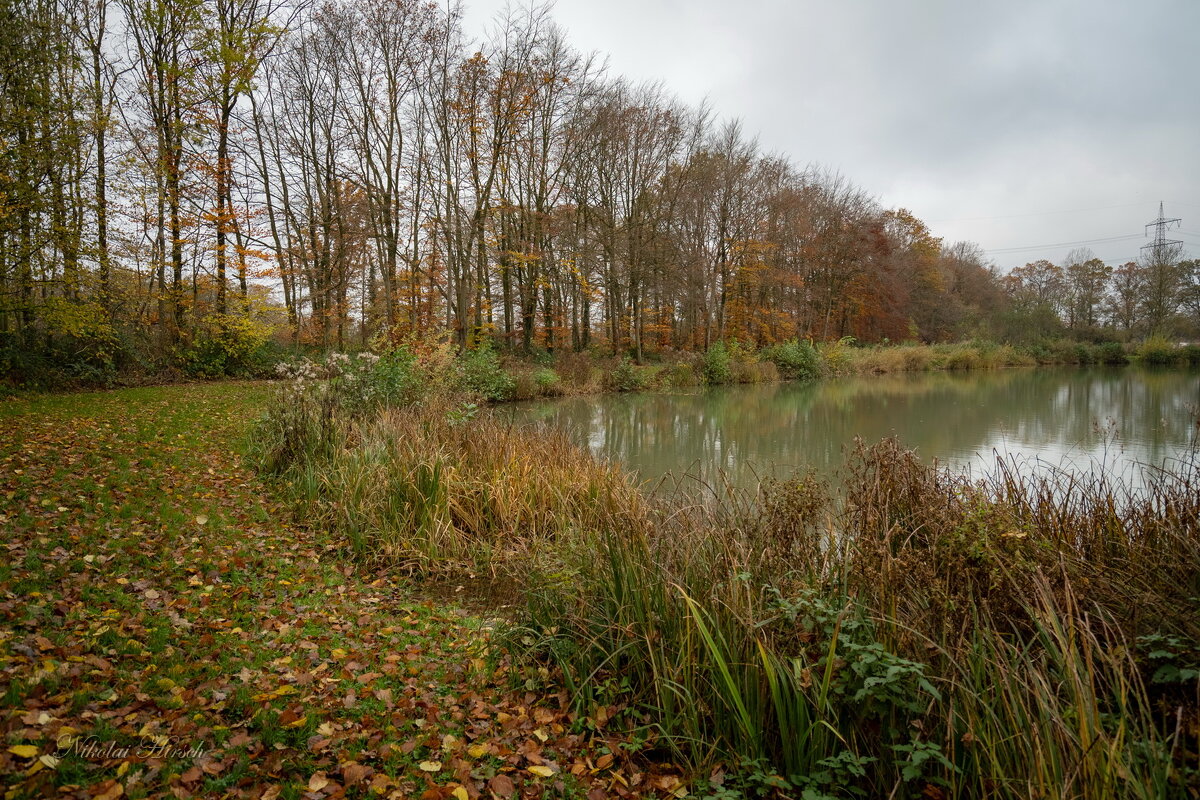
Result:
[1119,419]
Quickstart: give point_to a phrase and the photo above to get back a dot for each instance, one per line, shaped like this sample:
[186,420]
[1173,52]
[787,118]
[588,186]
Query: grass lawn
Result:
[165,630]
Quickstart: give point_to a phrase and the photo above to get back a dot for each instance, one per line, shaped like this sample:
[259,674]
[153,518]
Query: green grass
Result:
[155,586]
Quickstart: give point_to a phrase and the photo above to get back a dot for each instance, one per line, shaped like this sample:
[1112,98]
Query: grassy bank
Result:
[166,630]
[909,634]
[553,375]
[499,376]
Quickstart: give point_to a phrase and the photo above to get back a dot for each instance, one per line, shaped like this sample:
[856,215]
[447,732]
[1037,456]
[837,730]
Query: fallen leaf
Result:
[502,786]
[353,772]
[110,792]
[430,766]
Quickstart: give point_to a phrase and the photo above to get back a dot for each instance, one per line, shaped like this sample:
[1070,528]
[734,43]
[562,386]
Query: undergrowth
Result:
[911,633]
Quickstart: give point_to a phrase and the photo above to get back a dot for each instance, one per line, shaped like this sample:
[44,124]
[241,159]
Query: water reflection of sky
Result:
[1069,419]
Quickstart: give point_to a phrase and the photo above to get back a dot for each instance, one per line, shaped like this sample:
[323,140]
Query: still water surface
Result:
[1075,419]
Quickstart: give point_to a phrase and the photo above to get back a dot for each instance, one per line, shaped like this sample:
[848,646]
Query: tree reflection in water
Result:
[1073,419]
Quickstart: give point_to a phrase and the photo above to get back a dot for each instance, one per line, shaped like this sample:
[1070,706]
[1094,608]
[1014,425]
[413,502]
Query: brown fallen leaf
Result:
[353,772]
[109,790]
[502,786]
[317,782]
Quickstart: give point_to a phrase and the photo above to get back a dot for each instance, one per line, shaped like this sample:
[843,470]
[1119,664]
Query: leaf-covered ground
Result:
[164,631]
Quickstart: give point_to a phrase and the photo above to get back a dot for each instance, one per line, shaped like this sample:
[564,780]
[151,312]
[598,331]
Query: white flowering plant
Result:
[318,398]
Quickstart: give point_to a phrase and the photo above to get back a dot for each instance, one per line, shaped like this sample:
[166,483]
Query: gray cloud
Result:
[1008,122]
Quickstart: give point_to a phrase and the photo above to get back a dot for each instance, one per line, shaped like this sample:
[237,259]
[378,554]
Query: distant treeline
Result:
[183,182]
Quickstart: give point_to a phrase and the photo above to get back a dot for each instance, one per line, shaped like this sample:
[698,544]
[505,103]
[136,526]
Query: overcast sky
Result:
[1010,123]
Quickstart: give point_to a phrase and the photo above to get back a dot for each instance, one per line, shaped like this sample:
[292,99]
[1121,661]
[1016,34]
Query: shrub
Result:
[391,379]
[547,382]
[744,364]
[795,359]
[524,387]
[480,373]
[680,375]
[1009,356]
[624,377]
[1157,351]
[81,332]
[1084,354]
[836,358]
[1043,352]
[716,365]
[576,368]
[1065,352]
[963,357]
[1111,353]
[223,344]
[303,424]
[766,372]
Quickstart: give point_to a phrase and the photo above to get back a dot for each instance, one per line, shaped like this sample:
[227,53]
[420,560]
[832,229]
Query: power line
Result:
[1067,244]
[1032,214]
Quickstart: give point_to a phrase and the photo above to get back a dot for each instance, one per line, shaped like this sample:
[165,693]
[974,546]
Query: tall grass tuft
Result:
[914,632]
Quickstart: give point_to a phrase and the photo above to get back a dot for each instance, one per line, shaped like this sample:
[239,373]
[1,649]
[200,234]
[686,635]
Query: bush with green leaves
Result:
[371,380]
[480,374]
[1111,353]
[681,375]
[319,399]
[1157,351]
[1175,659]
[624,377]
[222,344]
[76,343]
[837,358]
[548,383]
[795,359]
[716,368]
[81,330]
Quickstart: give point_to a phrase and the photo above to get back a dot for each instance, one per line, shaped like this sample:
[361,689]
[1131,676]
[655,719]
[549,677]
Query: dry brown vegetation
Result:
[1027,635]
